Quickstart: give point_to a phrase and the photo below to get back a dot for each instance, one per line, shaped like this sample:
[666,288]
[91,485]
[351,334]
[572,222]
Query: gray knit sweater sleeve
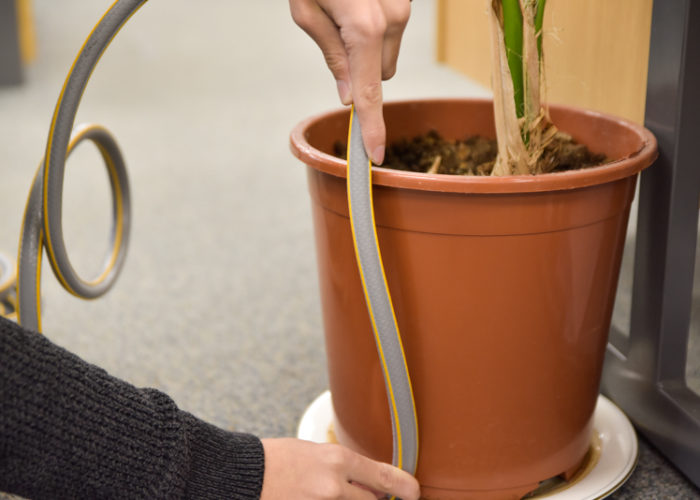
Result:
[70,430]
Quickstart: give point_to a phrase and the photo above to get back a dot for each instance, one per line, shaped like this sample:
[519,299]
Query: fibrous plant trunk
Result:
[523,127]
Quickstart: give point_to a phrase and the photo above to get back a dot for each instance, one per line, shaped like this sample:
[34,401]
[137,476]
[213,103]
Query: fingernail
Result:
[344,92]
[378,155]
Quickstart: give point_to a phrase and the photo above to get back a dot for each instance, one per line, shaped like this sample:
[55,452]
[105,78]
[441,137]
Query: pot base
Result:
[609,462]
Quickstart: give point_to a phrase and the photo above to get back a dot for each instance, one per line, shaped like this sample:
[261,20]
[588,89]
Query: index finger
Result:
[363,40]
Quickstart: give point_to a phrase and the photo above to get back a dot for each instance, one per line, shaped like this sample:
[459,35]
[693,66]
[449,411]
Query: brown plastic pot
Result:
[503,290]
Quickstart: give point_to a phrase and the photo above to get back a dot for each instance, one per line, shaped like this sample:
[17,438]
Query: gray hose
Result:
[42,226]
[33,239]
[404,422]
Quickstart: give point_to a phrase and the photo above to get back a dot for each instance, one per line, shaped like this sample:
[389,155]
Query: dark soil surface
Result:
[475,155]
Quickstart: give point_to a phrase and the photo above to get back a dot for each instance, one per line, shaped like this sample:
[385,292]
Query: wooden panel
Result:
[596,51]
[464,45]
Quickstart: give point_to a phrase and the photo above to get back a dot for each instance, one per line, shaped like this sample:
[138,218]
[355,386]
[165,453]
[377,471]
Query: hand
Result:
[302,470]
[360,41]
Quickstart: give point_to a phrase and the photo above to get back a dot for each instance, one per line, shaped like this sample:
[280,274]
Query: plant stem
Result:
[539,19]
[523,128]
[512,154]
[513,37]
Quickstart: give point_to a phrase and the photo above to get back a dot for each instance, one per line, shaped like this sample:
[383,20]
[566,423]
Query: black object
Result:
[645,373]
[10,58]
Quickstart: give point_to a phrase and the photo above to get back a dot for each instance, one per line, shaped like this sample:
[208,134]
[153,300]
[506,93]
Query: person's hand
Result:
[302,470]
[360,41]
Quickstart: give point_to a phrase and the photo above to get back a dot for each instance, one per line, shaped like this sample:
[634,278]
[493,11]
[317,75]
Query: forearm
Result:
[68,429]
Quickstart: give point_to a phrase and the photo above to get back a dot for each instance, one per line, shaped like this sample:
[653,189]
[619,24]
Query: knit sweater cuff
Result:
[223,464]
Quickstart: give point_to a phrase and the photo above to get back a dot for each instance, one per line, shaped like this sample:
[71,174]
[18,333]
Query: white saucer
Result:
[609,463]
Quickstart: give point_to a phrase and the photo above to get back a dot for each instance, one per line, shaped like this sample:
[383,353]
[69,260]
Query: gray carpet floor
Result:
[218,303]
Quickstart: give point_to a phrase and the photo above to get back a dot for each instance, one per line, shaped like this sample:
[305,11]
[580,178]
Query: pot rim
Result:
[574,179]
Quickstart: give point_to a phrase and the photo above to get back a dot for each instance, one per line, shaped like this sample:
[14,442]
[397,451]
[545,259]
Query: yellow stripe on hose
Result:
[34,238]
[49,246]
[385,369]
[120,218]
[49,144]
[387,374]
[78,137]
[42,223]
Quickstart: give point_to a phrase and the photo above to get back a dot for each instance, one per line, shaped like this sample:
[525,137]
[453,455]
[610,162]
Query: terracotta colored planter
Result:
[503,290]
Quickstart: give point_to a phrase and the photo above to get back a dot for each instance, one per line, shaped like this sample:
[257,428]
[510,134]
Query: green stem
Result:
[539,19]
[513,38]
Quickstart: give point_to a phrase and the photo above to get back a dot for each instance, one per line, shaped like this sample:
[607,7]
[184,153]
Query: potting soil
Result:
[431,153]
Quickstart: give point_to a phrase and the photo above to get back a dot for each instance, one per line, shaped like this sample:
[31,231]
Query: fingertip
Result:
[416,490]
[373,129]
[411,487]
[344,92]
[377,155]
